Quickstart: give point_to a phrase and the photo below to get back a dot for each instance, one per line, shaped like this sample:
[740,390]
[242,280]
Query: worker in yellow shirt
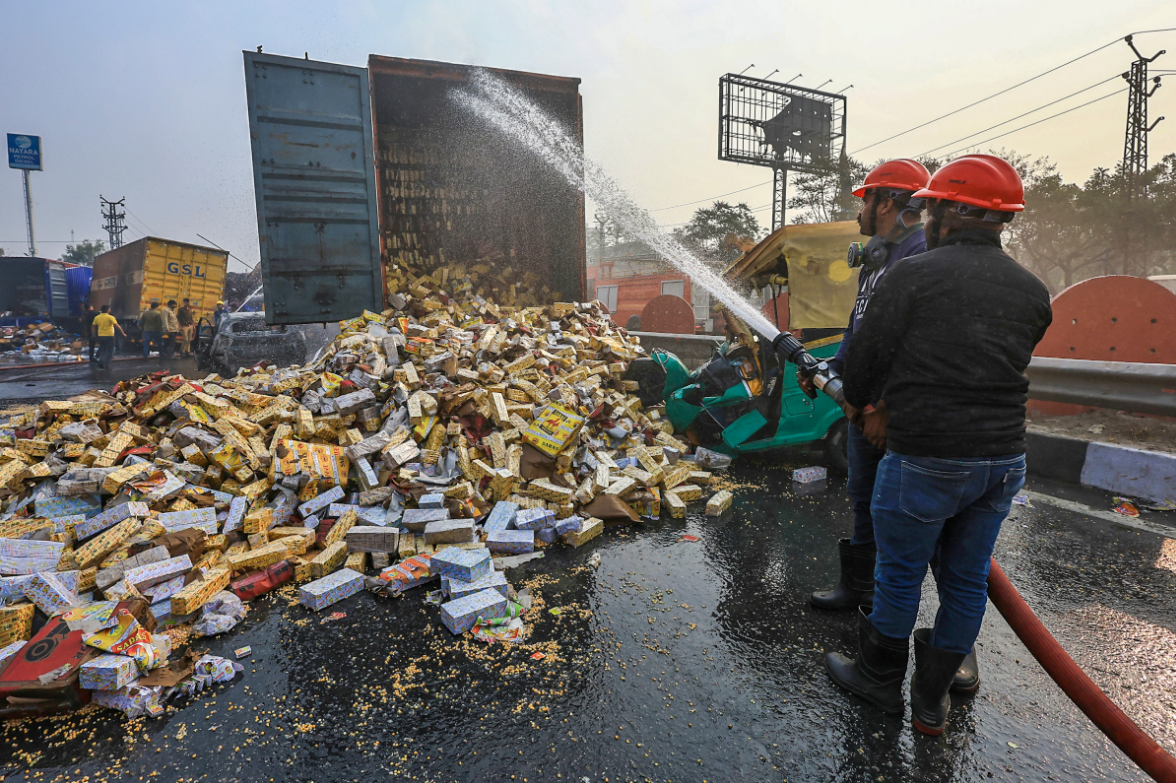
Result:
[104,326]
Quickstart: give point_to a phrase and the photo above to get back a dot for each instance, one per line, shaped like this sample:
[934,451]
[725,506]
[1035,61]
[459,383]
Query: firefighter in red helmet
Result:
[890,217]
[945,344]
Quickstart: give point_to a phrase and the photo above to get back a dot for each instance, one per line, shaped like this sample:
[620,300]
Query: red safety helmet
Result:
[984,181]
[899,174]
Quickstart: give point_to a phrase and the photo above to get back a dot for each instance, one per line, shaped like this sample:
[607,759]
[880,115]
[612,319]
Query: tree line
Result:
[1069,231]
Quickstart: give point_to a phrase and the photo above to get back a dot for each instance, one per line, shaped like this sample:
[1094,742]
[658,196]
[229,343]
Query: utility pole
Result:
[114,225]
[1135,155]
[28,194]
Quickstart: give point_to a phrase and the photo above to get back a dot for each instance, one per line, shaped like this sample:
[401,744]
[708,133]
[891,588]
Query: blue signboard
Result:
[24,152]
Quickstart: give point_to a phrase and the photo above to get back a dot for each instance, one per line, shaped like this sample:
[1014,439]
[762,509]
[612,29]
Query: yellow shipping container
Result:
[131,277]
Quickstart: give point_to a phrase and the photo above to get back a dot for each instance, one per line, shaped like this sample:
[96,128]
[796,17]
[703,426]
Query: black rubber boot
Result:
[967,677]
[856,587]
[879,670]
[935,669]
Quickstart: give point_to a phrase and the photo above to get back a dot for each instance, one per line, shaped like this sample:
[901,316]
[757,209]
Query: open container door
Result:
[310,130]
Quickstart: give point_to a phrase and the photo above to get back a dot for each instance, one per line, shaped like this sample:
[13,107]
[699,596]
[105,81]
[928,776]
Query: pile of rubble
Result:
[447,438]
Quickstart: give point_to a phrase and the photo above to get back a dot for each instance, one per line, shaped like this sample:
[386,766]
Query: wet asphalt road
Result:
[671,661]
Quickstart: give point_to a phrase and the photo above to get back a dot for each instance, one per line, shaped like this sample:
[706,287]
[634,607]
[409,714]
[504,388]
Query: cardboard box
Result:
[197,594]
[460,615]
[502,516]
[258,558]
[97,548]
[199,518]
[109,518]
[449,531]
[809,475]
[415,519]
[495,580]
[28,557]
[718,503]
[466,565]
[152,573]
[534,518]
[589,529]
[514,542]
[318,503]
[340,528]
[552,429]
[108,672]
[50,593]
[330,589]
[373,539]
[16,623]
[328,560]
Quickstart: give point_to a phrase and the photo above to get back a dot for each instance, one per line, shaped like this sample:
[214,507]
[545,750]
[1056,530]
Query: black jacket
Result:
[945,343]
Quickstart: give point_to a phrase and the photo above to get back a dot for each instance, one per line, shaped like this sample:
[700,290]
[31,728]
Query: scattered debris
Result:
[448,438]
[1125,506]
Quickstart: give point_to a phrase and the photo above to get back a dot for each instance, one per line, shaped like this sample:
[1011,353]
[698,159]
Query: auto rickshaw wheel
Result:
[837,446]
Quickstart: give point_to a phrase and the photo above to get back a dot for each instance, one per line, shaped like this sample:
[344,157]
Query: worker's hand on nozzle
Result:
[806,385]
[874,424]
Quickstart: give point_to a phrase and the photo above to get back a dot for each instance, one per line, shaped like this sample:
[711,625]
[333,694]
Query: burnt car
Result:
[245,339]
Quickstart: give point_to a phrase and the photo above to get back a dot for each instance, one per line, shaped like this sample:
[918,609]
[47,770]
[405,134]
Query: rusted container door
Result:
[453,189]
[310,130]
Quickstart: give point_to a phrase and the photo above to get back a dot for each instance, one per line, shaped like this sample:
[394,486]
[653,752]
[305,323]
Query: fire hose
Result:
[1074,682]
[1089,698]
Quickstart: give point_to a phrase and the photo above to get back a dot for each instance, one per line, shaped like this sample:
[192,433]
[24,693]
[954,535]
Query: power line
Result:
[1007,89]
[1019,116]
[701,200]
[957,111]
[1038,122]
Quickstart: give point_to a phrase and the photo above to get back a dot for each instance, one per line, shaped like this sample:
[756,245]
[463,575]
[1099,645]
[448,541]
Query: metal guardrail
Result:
[1124,386]
[692,349]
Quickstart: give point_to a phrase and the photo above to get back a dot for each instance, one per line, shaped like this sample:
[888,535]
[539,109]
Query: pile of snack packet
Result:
[41,342]
[435,440]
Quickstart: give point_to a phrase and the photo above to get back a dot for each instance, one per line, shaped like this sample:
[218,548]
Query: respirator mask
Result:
[873,254]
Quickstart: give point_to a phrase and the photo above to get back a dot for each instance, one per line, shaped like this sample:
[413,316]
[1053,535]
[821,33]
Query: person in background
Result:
[88,316]
[152,322]
[104,326]
[219,313]
[945,344]
[890,217]
[187,318]
[171,329]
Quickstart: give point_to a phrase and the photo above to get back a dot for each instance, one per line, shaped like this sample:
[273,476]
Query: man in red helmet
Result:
[945,343]
[890,217]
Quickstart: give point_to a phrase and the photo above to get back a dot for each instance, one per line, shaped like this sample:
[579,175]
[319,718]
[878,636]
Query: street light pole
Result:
[28,193]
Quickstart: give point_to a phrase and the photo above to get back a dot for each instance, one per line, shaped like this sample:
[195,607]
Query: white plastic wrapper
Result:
[221,614]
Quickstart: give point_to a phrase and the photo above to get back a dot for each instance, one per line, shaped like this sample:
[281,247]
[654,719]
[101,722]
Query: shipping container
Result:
[453,188]
[131,277]
[40,288]
[360,169]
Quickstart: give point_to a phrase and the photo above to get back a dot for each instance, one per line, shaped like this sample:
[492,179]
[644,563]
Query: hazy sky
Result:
[147,100]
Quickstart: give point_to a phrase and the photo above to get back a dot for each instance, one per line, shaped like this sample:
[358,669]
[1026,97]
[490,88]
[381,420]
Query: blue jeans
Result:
[946,513]
[151,337]
[863,460]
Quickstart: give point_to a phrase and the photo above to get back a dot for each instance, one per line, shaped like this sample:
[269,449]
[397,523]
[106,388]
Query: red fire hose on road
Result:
[1105,714]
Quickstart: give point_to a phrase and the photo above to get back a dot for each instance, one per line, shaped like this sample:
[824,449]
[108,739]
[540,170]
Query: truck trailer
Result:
[360,170]
[131,277]
[41,289]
